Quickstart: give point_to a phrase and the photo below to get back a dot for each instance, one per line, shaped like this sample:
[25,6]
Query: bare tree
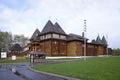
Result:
[21,39]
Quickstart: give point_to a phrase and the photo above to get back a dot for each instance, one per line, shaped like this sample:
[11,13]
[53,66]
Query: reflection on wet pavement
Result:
[22,72]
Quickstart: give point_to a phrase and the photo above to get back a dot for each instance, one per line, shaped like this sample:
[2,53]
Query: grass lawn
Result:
[93,69]
[13,61]
[63,59]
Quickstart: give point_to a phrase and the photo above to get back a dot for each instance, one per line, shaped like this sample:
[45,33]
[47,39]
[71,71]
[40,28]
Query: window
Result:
[37,44]
[62,37]
[42,38]
[48,36]
[36,34]
[55,36]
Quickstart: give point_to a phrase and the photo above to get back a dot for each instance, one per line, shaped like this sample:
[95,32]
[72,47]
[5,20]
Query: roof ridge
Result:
[52,28]
[59,29]
[49,27]
[16,47]
[35,35]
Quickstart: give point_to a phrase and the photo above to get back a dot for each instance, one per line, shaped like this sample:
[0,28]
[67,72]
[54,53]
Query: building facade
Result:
[53,41]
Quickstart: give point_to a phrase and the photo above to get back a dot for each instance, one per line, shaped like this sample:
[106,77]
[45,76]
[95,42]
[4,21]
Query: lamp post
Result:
[107,45]
[84,39]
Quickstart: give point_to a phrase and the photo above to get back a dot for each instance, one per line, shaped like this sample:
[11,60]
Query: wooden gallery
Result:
[53,41]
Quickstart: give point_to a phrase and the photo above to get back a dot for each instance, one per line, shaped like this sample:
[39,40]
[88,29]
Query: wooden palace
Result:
[53,41]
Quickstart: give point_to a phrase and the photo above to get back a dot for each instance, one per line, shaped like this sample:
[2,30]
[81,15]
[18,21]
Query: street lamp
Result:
[107,44]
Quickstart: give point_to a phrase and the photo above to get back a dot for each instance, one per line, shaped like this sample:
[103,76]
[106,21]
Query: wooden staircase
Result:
[25,52]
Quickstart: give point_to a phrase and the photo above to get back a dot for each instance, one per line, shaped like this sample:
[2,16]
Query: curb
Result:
[54,75]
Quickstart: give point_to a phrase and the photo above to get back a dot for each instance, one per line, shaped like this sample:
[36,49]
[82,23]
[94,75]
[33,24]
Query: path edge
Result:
[55,75]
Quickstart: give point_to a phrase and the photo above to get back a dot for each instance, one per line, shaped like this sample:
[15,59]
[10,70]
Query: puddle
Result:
[19,74]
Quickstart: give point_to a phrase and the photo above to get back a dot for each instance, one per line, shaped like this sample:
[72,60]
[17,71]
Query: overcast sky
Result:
[24,16]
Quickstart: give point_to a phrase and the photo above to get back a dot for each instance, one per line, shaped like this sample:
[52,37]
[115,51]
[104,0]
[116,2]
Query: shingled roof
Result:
[35,35]
[104,40]
[59,29]
[94,42]
[71,37]
[16,47]
[50,28]
[99,41]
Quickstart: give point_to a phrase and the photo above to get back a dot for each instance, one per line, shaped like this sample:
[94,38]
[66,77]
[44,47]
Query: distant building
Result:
[53,41]
[15,50]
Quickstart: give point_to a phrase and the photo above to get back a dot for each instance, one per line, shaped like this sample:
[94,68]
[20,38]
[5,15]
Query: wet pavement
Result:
[22,73]
[7,75]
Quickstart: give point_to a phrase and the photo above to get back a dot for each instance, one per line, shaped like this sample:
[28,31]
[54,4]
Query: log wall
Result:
[71,48]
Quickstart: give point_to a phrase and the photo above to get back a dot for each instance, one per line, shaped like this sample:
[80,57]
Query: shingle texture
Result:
[59,29]
[16,47]
[74,37]
[35,36]
[52,28]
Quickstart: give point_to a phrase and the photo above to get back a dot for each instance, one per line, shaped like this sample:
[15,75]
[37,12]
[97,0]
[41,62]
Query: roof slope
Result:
[98,40]
[35,35]
[74,37]
[50,28]
[59,29]
[104,40]
[16,47]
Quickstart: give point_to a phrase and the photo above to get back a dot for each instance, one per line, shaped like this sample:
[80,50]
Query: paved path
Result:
[7,75]
[24,73]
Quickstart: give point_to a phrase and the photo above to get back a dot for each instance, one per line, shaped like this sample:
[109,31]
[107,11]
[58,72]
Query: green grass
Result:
[13,61]
[63,59]
[93,69]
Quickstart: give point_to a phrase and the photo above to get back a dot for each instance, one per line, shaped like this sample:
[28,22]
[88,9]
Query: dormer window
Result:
[36,34]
